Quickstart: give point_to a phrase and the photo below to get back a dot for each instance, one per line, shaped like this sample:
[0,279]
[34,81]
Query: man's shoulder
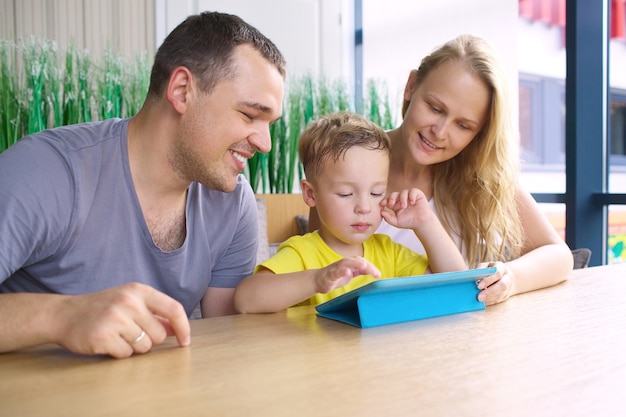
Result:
[82,135]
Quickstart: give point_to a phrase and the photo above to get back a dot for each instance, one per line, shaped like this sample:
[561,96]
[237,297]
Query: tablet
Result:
[396,300]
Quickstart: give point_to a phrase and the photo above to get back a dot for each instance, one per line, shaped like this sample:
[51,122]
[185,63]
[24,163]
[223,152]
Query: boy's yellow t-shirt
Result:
[299,253]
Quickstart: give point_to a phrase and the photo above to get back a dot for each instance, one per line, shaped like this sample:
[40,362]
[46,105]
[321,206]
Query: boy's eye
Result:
[377,195]
[344,194]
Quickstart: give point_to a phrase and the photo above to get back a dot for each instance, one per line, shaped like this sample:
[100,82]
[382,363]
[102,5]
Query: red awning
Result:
[552,12]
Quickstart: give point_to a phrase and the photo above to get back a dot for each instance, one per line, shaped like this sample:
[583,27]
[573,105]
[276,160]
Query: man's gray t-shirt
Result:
[71,223]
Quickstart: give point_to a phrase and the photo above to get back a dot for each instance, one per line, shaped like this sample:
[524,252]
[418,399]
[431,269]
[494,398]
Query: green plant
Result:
[55,89]
[377,108]
[308,97]
[41,88]
[9,105]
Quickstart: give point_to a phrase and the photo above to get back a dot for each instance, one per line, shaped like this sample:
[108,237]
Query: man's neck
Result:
[161,193]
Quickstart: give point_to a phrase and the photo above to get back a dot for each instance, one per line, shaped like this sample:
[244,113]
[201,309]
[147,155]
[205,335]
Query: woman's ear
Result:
[411,84]
[308,193]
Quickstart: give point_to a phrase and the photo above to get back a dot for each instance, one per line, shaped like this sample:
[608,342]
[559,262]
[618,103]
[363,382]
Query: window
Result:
[542,141]
[618,128]
[542,122]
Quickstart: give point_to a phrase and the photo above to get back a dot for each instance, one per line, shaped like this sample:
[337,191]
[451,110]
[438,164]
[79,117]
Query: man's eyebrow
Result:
[257,106]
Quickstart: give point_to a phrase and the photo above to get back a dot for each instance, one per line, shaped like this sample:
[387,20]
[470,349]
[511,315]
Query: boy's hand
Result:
[341,272]
[407,209]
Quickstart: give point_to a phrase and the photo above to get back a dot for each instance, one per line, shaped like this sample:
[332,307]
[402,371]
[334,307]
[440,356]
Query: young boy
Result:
[346,163]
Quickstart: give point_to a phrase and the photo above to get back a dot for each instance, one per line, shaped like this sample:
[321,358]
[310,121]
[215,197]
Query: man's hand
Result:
[121,321]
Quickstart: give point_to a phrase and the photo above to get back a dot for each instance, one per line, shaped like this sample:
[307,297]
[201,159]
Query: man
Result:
[112,232]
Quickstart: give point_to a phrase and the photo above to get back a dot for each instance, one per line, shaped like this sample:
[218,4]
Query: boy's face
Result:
[348,195]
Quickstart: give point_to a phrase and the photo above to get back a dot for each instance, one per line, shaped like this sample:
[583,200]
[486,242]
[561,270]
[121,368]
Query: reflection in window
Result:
[542,139]
[525,121]
[618,126]
[617,234]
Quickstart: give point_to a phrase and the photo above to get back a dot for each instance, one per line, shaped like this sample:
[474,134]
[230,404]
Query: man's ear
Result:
[179,89]
[308,194]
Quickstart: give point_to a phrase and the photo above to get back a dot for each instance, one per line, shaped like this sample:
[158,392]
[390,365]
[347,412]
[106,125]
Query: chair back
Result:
[581,257]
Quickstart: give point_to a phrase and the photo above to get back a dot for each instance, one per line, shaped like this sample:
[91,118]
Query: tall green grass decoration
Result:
[9,105]
[308,98]
[137,82]
[377,107]
[110,87]
[85,86]
[53,106]
[35,58]
[42,87]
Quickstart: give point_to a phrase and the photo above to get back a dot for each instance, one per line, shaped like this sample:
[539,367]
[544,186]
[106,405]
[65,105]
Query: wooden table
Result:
[560,351]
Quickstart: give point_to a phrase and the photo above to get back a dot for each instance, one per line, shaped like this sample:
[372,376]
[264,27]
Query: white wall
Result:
[540,49]
[617,68]
[541,52]
[125,27]
[316,36]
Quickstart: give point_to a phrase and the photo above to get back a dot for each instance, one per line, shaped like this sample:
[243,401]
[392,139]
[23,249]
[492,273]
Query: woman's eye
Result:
[435,109]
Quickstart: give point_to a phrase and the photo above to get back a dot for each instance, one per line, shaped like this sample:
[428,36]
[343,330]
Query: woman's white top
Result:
[408,238]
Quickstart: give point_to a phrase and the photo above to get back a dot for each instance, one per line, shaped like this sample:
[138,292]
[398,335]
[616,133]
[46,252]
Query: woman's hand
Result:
[497,287]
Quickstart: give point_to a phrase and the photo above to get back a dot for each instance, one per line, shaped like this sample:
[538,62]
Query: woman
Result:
[456,143]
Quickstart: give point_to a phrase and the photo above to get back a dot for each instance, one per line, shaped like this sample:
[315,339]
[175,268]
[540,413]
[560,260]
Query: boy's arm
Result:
[266,292]
[410,209]
[443,254]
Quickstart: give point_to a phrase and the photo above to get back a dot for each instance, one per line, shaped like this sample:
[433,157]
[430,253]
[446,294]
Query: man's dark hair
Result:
[204,44]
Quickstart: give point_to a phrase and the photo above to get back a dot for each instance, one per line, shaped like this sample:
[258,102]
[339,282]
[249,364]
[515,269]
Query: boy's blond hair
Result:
[329,137]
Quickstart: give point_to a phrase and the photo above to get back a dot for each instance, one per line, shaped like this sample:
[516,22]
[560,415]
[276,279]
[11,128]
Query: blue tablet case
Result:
[403,299]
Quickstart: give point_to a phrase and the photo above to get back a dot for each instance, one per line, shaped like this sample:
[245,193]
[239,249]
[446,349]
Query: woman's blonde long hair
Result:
[474,192]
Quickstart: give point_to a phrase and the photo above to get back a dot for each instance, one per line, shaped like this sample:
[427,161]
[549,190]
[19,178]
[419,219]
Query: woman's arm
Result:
[546,259]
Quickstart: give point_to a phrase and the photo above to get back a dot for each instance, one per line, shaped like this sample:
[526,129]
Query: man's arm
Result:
[107,322]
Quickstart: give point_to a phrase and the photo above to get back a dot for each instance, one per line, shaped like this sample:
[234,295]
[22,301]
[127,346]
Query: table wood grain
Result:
[559,351]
